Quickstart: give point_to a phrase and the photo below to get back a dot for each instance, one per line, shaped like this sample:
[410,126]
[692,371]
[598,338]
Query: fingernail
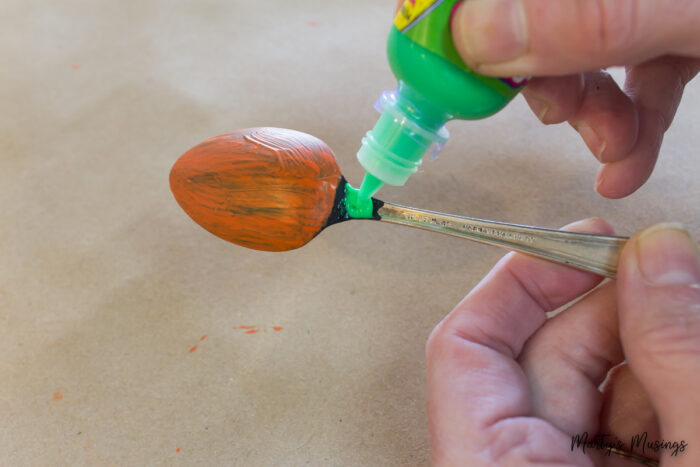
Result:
[539,106]
[594,142]
[493,31]
[668,256]
[599,180]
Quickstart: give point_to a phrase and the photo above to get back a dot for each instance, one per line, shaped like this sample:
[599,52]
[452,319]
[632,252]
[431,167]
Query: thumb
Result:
[556,37]
[659,308]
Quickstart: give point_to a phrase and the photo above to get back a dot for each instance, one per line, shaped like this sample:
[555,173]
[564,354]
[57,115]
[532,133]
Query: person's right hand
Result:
[566,43]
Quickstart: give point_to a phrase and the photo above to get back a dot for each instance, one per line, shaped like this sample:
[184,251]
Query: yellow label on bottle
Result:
[412,11]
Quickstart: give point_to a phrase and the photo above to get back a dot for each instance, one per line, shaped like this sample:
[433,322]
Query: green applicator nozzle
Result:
[392,151]
[370,186]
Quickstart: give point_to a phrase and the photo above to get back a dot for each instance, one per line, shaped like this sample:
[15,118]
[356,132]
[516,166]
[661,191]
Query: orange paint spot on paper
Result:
[252,331]
[312,23]
[75,66]
[277,328]
[194,347]
[177,450]
[245,327]
[203,337]
[57,396]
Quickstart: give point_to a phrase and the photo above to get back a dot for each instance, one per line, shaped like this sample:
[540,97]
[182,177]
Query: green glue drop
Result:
[356,207]
[434,87]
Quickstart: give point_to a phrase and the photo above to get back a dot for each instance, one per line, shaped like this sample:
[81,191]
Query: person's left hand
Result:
[506,386]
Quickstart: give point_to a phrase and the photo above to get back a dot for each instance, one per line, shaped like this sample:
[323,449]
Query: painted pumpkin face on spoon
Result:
[269,189]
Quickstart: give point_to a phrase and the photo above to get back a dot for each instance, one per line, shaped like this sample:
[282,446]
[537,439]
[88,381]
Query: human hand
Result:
[506,386]
[565,43]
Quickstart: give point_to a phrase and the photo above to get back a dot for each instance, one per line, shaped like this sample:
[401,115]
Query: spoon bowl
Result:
[268,189]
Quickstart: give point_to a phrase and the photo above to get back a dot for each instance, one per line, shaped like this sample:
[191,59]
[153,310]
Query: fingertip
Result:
[599,185]
[489,32]
[623,177]
[613,184]
[593,140]
[667,255]
[459,25]
[607,119]
[627,263]
[541,107]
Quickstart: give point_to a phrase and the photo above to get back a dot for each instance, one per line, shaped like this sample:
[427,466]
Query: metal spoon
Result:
[274,189]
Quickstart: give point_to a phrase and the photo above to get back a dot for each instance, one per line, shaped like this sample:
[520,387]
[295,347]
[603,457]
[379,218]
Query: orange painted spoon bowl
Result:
[263,188]
[274,189]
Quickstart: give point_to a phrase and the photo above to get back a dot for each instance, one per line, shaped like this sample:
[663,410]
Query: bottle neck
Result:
[408,128]
[420,110]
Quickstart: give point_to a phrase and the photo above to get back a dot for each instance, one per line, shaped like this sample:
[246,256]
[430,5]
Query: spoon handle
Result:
[589,252]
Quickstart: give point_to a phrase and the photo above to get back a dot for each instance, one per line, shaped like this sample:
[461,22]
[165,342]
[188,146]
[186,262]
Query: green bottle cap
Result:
[392,151]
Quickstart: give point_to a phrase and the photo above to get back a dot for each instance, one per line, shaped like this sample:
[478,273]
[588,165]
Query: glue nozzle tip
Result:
[370,186]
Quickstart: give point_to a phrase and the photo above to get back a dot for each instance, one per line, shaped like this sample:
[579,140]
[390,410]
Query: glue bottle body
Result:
[434,86]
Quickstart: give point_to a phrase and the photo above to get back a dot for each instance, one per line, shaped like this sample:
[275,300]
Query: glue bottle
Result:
[434,86]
